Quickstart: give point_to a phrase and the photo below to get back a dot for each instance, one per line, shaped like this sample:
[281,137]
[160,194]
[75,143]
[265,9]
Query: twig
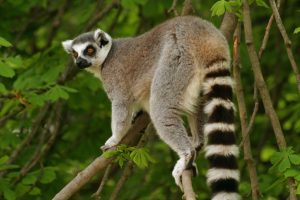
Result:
[96,195]
[56,23]
[126,173]
[287,42]
[267,33]
[99,15]
[102,162]
[11,115]
[189,193]
[115,20]
[259,79]
[173,8]
[243,117]
[187,8]
[40,150]
[35,128]
[228,25]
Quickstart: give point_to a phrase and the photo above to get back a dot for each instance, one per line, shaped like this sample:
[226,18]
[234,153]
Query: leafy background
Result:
[53,123]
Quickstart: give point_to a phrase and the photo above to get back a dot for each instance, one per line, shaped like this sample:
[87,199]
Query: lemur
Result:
[181,66]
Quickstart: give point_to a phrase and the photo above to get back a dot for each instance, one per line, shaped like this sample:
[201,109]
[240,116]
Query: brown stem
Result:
[243,118]
[189,193]
[96,195]
[228,25]
[287,42]
[187,8]
[261,85]
[173,8]
[126,173]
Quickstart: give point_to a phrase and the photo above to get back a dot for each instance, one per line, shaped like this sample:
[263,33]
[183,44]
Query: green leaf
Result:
[283,165]
[139,157]
[35,99]
[3,159]
[48,176]
[295,159]
[4,42]
[261,3]
[6,71]
[68,89]
[14,62]
[276,158]
[55,93]
[30,179]
[218,8]
[291,173]
[109,154]
[2,88]
[298,189]
[5,167]
[9,194]
[35,191]
[297,30]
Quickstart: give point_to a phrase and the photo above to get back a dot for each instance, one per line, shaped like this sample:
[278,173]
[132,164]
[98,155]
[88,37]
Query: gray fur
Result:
[160,71]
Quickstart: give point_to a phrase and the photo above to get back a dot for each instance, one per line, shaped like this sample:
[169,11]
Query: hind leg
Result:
[170,81]
[171,130]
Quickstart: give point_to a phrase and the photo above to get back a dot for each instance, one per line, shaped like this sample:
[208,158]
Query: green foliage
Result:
[297,30]
[287,163]
[140,156]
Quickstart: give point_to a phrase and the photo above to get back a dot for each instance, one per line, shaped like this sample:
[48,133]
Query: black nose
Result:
[82,63]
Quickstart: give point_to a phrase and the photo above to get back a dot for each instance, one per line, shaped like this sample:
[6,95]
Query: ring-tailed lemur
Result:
[180,66]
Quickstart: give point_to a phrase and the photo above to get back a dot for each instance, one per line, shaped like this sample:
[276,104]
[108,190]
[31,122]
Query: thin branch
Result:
[102,162]
[228,25]
[189,193]
[287,42]
[99,15]
[126,173]
[97,194]
[243,116]
[35,128]
[267,33]
[40,150]
[260,82]
[173,8]
[11,114]
[187,8]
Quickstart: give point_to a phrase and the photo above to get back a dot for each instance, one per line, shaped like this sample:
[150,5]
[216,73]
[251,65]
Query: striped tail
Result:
[221,149]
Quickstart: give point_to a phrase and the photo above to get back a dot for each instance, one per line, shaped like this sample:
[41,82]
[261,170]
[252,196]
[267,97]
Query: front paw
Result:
[110,143]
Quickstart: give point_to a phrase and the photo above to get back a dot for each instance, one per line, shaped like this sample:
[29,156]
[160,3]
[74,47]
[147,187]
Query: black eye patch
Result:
[89,50]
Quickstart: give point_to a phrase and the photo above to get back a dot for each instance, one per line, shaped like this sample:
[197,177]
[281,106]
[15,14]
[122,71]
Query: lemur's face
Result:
[89,49]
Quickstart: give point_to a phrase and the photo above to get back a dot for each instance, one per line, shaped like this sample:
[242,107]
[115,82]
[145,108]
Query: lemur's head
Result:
[89,49]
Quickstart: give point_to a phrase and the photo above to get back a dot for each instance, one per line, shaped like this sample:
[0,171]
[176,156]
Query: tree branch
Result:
[187,8]
[102,162]
[228,25]
[287,42]
[260,82]
[243,117]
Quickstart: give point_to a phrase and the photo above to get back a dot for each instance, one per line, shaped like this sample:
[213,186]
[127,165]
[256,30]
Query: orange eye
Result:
[75,54]
[90,51]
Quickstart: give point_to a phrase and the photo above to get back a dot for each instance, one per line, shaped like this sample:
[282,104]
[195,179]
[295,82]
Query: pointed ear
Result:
[101,37]
[67,45]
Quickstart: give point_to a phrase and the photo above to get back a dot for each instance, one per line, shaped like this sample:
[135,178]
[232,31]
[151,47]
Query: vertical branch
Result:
[261,85]
[228,25]
[187,8]
[243,116]
[287,42]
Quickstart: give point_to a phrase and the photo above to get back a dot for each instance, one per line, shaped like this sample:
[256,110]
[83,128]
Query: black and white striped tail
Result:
[221,149]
